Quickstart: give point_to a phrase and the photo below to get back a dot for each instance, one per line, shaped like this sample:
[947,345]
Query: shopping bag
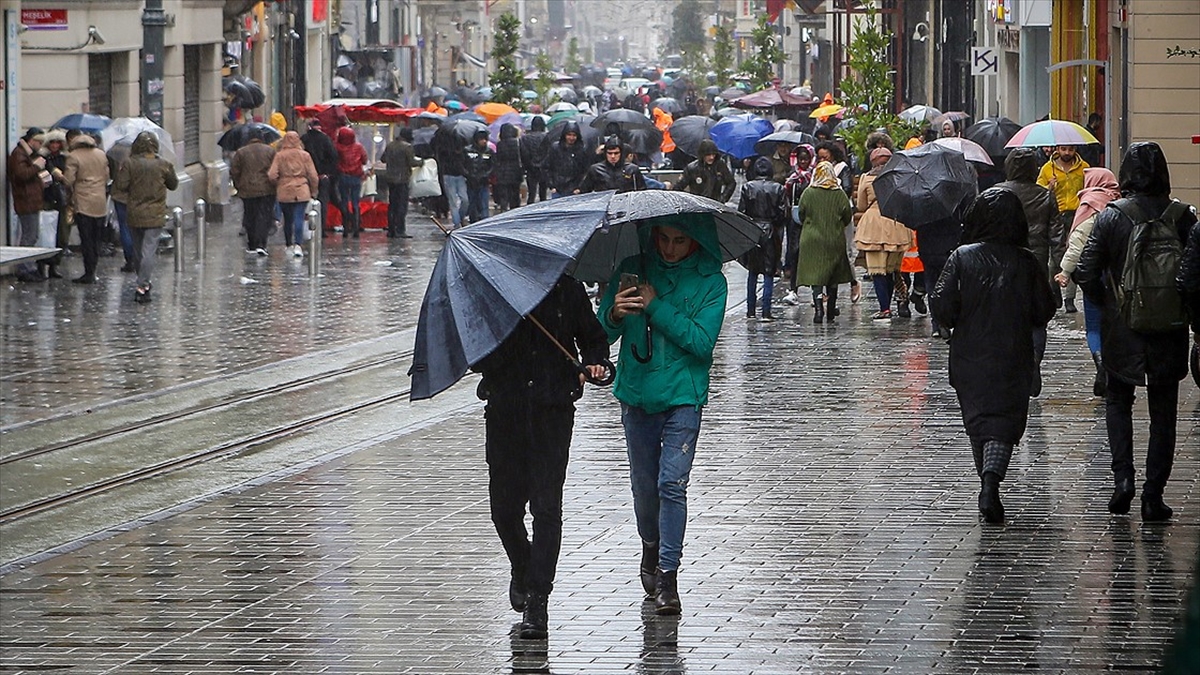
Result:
[424,181]
[48,229]
[370,186]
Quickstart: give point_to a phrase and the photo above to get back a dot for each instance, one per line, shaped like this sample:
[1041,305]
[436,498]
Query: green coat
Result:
[824,215]
[685,319]
[144,179]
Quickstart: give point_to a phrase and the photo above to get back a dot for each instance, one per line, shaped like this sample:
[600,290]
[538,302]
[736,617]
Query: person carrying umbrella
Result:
[248,170]
[1063,175]
[883,239]
[530,389]
[144,179]
[708,176]
[824,215]
[319,146]
[666,305]
[993,292]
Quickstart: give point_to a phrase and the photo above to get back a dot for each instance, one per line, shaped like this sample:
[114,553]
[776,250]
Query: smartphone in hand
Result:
[628,281]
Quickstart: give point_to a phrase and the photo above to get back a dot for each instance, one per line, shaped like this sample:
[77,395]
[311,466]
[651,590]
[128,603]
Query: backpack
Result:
[1147,298]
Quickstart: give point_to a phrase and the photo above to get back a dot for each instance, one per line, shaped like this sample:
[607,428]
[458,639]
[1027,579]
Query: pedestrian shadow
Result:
[660,644]
[528,656]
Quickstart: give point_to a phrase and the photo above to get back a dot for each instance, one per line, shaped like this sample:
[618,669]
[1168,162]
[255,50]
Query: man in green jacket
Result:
[668,320]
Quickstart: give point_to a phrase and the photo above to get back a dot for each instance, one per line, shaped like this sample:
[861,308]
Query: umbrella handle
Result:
[649,348]
[610,374]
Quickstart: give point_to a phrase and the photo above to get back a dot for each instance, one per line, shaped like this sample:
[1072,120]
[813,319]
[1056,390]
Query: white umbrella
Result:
[561,106]
[117,137]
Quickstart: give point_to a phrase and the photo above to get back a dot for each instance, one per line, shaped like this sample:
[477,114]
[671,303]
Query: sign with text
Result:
[985,61]
[44,19]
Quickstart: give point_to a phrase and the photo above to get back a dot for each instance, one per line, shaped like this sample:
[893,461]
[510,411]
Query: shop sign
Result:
[44,19]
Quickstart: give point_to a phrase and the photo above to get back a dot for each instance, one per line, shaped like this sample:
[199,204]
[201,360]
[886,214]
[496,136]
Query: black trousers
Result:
[535,182]
[397,208]
[258,214]
[89,240]
[508,196]
[527,450]
[1163,402]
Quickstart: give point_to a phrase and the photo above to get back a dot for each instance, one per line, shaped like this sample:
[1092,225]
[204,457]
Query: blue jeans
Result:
[752,293]
[350,189]
[1091,323]
[480,197]
[460,200]
[123,229]
[660,448]
[293,221]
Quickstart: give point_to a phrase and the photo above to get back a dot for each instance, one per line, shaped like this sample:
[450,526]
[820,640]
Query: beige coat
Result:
[292,171]
[87,177]
[876,232]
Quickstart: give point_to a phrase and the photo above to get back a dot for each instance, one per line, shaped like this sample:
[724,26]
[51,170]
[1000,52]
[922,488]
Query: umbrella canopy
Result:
[726,112]
[1050,133]
[737,134]
[971,150]
[561,116]
[454,104]
[590,135]
[925,184]
[240,135]
[117,138]
[513,118]
[919,113]
[467,115]
[492,274]
[687,132]
[952,116]
[826,110]
[82,122]
[766,145]
[423,141]
[436,91]
[642,140]
[623,117]
[668,104]
[565,94]
[732,93]
[992,134]
[491,111]
[429,115]
[592,90]
[786,125]
[562,106]
[772,98]
[527,119]
[458,132]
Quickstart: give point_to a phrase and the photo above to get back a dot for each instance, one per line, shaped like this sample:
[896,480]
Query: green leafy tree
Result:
[722,56]
[507,81]
[573,64]
[545,79]
[868,90]
[687,34]
[768,53]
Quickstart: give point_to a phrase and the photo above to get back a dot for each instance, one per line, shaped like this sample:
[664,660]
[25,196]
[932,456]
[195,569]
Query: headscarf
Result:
[1099,188]
[825,178]
[878,152]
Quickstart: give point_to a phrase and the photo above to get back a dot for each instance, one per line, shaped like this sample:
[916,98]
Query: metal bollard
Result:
[200,204]
[177,216]
[314,242]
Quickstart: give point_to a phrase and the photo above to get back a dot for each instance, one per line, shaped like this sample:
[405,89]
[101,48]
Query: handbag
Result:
[47,229]
[424,181]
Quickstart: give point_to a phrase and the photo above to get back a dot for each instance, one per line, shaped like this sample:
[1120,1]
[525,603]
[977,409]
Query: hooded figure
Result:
[993,293]
[1157,361]
[612,172]
[566,162]
[764,201]
[708,175]
[509,172]
[478,168]
[668,326]
[533,155]
[352,158]
[144,179]
[1046,239]
[295,177]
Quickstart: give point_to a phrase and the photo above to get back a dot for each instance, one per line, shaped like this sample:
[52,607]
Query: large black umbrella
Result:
[623,117]
[458,132]
[992,133]
[668,104]
[766,145]
[687,132]
[924,184]
[240,135]
[590,135]
[492,274]
[423,141]
[642,140]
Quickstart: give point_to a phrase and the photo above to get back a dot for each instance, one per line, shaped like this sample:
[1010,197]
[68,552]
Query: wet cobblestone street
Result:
[832,519]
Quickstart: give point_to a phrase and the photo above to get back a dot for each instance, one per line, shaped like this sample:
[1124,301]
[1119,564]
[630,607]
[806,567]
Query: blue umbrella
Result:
[83,122]
[514,119]
[492,274]
[736,135]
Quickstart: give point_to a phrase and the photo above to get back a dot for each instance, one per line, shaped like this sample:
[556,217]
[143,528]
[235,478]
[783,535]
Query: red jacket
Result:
[351,154]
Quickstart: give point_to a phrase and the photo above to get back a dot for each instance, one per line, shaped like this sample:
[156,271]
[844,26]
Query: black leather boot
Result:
[831,310]
[1100,385]
[666,593]
[517,590]
[534,621]
[996,455]
[648,570]
[818,311]
[1153,508]
[1122,496]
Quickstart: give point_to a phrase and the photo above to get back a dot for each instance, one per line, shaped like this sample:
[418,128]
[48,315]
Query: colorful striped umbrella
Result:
[1050,133]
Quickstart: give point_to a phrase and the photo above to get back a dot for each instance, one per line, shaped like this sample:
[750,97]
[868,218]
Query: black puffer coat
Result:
[508,157]
[1134,358]
[1047,239]
[565,164]
[764,201]
[533,150]
[1189,276]
[993,293]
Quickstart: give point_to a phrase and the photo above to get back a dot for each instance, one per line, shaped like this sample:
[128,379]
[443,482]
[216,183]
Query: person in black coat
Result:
[478,167]
[319,146]
[1157,361]
[531,388]
[566,161]
[611,173]
[533,154]
[1189,278]
[509,173]
[993,293]
[765,202]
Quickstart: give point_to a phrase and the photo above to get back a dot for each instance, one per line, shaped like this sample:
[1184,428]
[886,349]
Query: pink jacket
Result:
[292,171]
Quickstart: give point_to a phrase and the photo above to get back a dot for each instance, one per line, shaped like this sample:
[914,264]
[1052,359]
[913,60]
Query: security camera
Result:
[920,32]
[94,34]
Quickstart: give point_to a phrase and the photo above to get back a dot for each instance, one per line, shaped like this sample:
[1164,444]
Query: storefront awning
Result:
[478,63]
